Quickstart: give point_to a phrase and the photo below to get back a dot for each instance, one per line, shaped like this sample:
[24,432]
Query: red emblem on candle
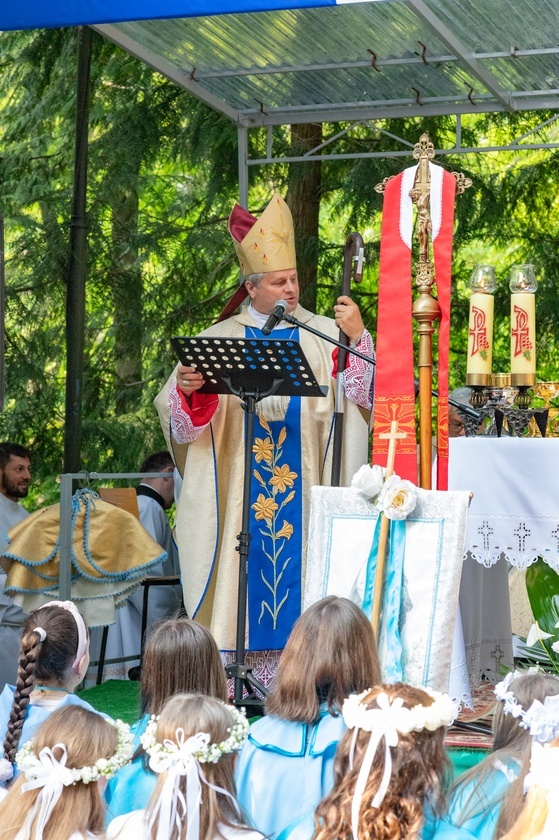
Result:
[479,332]
[521,332]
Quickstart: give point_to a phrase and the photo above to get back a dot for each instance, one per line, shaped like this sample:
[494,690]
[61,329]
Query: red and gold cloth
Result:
[394,379]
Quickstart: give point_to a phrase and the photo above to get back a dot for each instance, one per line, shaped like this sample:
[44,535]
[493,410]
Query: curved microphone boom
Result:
[276,316]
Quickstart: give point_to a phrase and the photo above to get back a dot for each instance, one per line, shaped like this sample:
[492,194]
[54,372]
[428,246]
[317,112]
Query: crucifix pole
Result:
[426,309]
[392,436]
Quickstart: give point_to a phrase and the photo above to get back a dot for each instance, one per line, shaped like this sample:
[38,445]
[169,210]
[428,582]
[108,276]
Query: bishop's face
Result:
[274,286]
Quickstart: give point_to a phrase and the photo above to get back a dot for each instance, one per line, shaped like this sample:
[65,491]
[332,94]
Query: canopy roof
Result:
[271,62]
[357,60]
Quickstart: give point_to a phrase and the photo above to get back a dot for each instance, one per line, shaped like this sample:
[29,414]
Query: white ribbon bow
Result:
[51,774]
[177,761]
[382,726]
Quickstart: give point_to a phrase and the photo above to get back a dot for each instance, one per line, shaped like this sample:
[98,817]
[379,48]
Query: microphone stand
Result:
[296,323]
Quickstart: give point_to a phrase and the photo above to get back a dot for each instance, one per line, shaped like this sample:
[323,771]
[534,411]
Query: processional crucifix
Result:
[426,309]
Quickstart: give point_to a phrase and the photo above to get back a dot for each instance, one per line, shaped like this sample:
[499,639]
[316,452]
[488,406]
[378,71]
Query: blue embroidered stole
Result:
[276,523]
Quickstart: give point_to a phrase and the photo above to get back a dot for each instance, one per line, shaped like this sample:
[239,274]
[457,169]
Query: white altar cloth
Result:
[515,510]
[342,524]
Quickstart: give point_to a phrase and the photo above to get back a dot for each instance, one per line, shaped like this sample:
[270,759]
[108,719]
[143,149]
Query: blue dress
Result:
[481,811]
[35,715]
[131,787]
[285,769]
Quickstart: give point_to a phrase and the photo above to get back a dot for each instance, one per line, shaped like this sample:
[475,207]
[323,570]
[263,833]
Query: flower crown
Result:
[198,746]
[542,719]
[39,767]
[392,713]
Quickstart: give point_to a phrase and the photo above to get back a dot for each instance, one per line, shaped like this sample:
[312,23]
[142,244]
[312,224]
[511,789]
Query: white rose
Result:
[368,480]
[397,498]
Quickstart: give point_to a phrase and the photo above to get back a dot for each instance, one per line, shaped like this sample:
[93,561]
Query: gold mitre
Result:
[267,243]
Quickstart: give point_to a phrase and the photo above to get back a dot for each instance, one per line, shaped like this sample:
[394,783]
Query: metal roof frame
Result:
[358,64]
[275,82]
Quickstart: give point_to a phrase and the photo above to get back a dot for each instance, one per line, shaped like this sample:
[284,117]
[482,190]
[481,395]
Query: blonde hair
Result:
[510,741]
[87,737]
[330,654]
[195,713]
[420,768]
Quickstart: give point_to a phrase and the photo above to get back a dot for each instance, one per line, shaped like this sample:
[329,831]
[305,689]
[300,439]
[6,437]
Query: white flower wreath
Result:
[394,715]
[40,766]
[198,745]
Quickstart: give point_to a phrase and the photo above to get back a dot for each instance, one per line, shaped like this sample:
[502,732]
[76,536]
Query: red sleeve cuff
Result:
[199,407]
[335,361]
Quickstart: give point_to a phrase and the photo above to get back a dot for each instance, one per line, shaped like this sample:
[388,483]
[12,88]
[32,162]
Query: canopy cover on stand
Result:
[36,13]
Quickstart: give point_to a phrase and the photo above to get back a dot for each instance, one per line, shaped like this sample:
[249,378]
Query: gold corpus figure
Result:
[426,309]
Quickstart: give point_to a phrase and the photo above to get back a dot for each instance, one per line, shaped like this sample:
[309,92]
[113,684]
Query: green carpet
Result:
[117,698]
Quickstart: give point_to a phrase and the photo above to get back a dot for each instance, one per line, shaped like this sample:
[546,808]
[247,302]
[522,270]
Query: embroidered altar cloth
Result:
[514,513]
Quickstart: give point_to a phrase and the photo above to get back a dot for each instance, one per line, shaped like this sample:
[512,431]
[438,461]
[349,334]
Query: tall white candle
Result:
[480,326]
[523,285]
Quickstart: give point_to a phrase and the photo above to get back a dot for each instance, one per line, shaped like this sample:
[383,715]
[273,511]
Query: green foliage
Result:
[542,585]
[162,180]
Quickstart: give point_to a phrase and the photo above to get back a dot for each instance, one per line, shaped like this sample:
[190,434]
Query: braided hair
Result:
[49,660]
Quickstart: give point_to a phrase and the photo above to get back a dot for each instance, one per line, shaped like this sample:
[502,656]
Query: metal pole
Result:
[75,297]
[242,152]
[65,571]
[2,311]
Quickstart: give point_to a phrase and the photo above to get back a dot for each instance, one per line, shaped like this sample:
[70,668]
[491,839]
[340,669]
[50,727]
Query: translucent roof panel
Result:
[365,59]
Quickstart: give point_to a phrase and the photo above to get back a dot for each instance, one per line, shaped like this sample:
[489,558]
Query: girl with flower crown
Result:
[180,656]
[287,765]
[485,801]
[391,766]
[53,659]
[191,747]
[58,795]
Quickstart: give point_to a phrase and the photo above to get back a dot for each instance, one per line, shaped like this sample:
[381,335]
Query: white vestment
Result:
[210,505]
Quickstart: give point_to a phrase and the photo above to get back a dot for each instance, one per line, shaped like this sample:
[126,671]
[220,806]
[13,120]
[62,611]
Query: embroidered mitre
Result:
[267,243]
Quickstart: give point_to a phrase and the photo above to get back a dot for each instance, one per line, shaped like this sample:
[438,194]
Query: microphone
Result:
[275,317]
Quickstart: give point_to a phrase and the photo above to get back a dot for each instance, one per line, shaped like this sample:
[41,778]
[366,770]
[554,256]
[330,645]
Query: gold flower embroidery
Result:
[286,531]
[263,449]
[282,478]
[264,507]
[270,509]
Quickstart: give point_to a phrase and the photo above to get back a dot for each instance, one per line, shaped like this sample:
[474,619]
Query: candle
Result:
[523,285]
[480,327]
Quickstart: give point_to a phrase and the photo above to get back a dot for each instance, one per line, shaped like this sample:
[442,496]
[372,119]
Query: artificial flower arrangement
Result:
[394,496]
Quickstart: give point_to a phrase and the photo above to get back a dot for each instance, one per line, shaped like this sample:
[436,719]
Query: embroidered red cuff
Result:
[199,407]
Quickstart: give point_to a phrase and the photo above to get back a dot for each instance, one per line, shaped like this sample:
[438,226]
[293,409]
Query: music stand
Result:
[250,368]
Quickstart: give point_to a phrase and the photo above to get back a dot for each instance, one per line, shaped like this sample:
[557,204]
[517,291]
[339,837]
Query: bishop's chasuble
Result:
[290,455]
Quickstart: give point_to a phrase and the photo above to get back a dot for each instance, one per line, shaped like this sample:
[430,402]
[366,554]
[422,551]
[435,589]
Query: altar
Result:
[513,519]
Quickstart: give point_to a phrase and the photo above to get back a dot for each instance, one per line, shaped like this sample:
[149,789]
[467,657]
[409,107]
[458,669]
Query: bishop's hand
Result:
[188,380]
[348,318]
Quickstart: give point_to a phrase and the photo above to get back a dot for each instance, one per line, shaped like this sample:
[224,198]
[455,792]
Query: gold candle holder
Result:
[546,391]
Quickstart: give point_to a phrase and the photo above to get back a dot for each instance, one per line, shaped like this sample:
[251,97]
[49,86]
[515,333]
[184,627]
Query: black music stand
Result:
[251,369]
